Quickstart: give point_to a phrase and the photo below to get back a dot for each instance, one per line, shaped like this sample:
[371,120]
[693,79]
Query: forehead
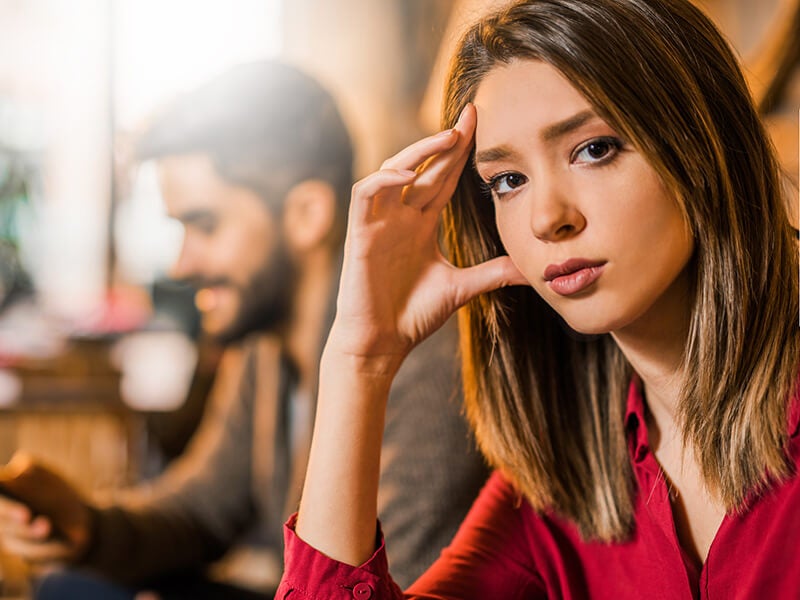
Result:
[190,182]
[523,96]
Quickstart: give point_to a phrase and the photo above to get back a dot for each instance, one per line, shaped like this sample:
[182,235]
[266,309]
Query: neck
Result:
[302,337]
[654,345]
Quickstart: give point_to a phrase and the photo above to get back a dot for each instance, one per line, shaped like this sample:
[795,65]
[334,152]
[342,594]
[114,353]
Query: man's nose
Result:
[186,265]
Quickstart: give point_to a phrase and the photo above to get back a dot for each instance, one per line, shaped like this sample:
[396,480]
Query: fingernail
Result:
[445,133]
[407,172]
[463,110]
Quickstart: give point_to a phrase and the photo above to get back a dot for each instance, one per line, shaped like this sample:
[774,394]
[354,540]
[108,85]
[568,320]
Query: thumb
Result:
[488,276]
[20,462]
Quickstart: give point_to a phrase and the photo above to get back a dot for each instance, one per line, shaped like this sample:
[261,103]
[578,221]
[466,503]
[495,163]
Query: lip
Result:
[208,298]
[573,276]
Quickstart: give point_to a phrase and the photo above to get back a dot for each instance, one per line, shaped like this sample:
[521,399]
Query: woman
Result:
[630,365]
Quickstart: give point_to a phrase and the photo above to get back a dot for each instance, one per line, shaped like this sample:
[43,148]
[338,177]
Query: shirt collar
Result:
[635,424]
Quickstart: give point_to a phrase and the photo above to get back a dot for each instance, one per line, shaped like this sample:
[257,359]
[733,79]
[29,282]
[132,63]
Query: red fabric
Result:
[505,550]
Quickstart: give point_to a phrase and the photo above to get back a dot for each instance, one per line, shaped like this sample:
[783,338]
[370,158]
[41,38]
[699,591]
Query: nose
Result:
[553,216]
[185,266]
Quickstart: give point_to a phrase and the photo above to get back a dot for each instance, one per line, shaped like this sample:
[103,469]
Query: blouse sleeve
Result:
[309,574]
[489,557]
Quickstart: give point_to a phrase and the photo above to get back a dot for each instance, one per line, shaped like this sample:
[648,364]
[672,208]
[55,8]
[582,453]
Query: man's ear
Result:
[309,214]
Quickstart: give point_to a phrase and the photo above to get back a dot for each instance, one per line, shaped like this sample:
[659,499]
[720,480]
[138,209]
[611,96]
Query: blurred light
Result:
[162,48]
[147,240]
[71,237]
[157,369]
[10,388]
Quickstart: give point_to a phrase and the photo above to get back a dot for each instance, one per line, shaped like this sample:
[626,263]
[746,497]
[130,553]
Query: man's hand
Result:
[43,518]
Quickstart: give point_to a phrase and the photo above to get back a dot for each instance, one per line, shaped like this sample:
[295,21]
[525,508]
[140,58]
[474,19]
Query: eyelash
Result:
[614,146]
[490,187]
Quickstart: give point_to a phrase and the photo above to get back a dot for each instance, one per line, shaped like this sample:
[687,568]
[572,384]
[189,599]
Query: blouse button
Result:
[362,591]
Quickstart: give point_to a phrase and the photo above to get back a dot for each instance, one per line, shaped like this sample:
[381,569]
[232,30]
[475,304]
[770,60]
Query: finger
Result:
[432,176]
[466,128]
[436,181]
[381,181]
[417,153]
[448,180]
[40,528]
[13,511]
[39,552]
[20,461]
[37,530]
[147,595]
[491,275]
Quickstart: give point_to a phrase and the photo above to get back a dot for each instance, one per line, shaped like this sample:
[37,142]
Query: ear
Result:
[308,215]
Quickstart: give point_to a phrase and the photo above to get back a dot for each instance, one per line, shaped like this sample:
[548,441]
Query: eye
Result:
[207,227]
[204,225]
[503,183]
[597,151]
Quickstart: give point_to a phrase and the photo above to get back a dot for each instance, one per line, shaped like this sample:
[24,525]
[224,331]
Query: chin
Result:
[589,328]
[215,326]
[594,322]
[596,313]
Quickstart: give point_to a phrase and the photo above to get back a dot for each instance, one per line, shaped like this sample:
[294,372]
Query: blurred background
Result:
[102,370]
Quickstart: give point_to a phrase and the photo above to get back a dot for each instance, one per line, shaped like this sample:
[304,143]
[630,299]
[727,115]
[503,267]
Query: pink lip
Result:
[573,276]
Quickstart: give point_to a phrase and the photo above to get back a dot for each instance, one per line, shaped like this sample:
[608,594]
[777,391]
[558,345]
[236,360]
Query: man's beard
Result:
[266,301]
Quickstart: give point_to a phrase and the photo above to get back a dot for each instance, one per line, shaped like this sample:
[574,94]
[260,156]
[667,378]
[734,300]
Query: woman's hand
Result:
[396,286]
[396,289]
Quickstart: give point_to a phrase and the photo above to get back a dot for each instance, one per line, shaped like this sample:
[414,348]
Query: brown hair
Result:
[547,404]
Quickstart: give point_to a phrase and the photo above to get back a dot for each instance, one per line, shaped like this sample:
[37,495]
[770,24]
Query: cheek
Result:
[662,231]
[245,248]
[516,237]
[513,248]
[645,219]
[525,251]
[652,251]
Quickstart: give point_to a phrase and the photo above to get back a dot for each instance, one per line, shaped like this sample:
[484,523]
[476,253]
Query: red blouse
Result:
[506,550]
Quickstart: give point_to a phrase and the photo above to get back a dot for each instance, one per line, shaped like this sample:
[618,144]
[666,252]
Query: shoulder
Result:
[498,525]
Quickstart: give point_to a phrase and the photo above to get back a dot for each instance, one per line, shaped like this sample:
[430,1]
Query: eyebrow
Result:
[549,134]
[557,130]
[195,216]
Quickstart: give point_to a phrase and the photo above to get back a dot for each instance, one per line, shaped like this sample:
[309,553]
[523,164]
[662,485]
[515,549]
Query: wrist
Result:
[375,366]
[371,373]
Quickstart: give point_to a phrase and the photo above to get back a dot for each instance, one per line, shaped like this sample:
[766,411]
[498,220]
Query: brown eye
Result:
[597,151]
[514,180]
[505,182]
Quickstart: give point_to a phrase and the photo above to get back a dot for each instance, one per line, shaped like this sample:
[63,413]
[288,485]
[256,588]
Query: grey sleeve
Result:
[431,470]
[191,513]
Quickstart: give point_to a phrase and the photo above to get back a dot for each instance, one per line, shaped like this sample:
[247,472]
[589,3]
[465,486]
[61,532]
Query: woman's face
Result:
[582,214]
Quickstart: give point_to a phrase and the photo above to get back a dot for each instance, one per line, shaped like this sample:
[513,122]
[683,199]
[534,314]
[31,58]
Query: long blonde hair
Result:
[548,405]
